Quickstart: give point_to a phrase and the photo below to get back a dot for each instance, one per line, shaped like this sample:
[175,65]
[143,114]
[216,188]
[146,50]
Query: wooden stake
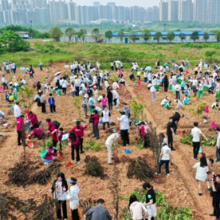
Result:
[50,186]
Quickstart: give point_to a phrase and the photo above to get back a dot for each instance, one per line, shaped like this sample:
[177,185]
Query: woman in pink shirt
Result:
[48,159]
[104,102]
[95,117]
[79,129]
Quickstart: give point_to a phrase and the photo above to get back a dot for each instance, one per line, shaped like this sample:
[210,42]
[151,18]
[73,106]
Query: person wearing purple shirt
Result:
[51,101]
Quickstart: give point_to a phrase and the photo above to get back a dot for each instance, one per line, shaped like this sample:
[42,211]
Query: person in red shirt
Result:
[144,131]
[20,130]
[51,125]
[37,132]
[95,117]
[79,129]
[34,120]
[54,134]
[74,143]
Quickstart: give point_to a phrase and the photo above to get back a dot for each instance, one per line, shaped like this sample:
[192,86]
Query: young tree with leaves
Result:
[210,53]
[158,36]
[133,36]
[96,34]
[82,33]
[121,35]
[55,33]
[69,33]
[146,35]
[170,36]
[108,35]
[194,36]
[205,36]
[182,36]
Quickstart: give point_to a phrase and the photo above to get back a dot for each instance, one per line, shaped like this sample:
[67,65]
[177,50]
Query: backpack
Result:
[57,124]
[43,154]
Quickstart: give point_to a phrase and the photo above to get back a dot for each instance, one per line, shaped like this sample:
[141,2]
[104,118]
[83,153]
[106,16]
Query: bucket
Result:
[2,88]
[61,155]
[180,133]
[206,66]
[31,144]
[67,66]
[59,92]
[69,164]
[148,68]
[114,129]
[214,125]
[22,68]
[47,74]
[207,109]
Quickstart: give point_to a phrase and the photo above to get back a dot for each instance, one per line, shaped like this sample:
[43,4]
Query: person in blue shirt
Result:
[186,100]
[51,101]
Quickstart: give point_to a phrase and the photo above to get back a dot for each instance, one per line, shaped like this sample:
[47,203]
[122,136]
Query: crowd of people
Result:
[100,99]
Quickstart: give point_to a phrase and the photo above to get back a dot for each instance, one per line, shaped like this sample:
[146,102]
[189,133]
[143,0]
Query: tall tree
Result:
[146,35]
[194,36]
[210,53]
[108,35]
[121,35]
[55,33]
[170,36]
[82,33]
[96,34]
[158,36]
[182,36]
[133,36]
[69,33]
[206,36]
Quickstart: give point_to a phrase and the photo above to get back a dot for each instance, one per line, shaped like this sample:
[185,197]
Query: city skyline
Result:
[125,3]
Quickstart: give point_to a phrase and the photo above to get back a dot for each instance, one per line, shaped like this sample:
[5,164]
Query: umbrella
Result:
[58,73]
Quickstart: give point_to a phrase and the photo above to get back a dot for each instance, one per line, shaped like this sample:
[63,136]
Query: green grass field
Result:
[144,54]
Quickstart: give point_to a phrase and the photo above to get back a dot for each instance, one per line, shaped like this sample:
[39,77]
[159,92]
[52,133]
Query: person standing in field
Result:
[51,101]
[41,65]
[170,133]
[196,132]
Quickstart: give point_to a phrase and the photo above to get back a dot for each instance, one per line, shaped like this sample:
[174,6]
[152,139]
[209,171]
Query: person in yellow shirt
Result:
[139,75]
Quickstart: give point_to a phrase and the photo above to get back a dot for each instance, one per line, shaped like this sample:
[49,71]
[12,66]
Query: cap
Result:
[71,181]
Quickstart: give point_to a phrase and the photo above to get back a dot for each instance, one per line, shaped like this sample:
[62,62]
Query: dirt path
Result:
[183,166]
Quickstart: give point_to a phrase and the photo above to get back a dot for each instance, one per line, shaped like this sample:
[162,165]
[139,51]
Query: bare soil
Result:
[180,188]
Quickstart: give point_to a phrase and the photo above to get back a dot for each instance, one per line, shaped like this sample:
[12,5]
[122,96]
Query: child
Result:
[186,100]
[165,103]
[59,189]
[48,157]
[73,196]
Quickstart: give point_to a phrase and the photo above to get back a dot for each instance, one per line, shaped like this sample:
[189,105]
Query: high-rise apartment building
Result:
[72,11]
[39,3]
[173,10]
[185,10]
[200,12]
[213,7]
[5,5]
[163,7]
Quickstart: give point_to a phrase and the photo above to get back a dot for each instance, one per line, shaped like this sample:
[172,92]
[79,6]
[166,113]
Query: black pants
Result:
[170,140]
[77,91]
[107,125]
[196,146]
[63,204]
[43,106]
[81,143]
[96,131]
[52,108]
[125,137]
[115,101]
[174,127]
[216,209]
[165,88]
[75,215]
[77,153]
[64,91]
[20,139]
[110,105]
[41,68]
[55,145]
[5,85]
[35,126]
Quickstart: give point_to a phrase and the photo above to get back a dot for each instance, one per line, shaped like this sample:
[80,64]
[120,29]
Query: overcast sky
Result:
[143,3]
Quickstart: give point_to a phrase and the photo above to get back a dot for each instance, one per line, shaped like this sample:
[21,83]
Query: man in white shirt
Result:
[124,127]
[115,97]
[17,110]
[64,85]
[4,82]
[109,142]
[165,156]
[196,132]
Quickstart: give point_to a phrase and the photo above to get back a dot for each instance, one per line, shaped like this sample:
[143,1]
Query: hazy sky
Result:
[143,3]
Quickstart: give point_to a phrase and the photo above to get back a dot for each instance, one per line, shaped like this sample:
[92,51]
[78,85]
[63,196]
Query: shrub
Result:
[91,144]
[93,167]
[140,169]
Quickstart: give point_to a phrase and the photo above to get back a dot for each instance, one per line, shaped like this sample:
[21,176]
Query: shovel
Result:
[69,164]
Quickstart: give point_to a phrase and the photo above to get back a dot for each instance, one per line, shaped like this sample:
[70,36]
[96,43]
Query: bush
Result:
[140,169]
[93,167]
[91,144]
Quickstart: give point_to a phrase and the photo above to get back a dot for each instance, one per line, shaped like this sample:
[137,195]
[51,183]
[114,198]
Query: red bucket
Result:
[69,164]
[61,155]
[180,133]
